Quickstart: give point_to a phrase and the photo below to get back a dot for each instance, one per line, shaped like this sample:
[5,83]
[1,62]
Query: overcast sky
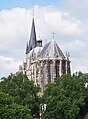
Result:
[68,18]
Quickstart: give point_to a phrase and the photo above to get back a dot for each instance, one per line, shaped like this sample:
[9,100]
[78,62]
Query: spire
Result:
[27,49]
[32,41]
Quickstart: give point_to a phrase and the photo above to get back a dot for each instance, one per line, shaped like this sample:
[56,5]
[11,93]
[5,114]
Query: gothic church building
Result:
[44,64]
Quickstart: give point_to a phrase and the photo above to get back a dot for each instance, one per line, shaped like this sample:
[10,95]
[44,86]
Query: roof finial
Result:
[53,33]
[67,54]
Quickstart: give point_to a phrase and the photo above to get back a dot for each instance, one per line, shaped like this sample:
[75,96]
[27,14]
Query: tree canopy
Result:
[23,91]
[66,97]
[10,110]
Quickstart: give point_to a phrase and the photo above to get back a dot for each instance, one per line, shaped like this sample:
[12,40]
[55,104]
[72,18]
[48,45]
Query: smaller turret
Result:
[39,42]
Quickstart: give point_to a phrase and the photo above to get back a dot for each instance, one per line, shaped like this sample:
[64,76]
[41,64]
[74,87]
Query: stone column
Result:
[51,72]
[47,78]
[60,68]
[54,70]
[30,74]
[27,59]
[43,77]
[39,76]
[41,83]
[66,67]
[35,74]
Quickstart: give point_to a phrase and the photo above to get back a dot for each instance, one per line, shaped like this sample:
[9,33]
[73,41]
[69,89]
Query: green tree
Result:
[10,110]
[65,97]
[22,90]
[86,117]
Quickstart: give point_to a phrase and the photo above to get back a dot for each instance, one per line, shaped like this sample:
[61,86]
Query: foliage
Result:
[10,110]
[22,90]
[86,117]
[65,97]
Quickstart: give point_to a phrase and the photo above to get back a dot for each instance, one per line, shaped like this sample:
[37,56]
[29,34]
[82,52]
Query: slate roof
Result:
[32,41]
[52,50]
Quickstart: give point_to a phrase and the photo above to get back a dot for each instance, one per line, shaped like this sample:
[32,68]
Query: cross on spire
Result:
[53,33]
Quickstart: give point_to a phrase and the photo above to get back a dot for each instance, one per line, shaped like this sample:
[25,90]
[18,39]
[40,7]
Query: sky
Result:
[26,3]
[68,18]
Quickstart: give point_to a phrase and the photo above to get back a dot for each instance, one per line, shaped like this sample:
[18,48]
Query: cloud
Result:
[15,26]
[8,65]
[77,8]
[62,23]
[80,64]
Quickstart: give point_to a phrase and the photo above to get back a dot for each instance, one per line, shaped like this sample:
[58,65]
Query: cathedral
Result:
[44,63]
